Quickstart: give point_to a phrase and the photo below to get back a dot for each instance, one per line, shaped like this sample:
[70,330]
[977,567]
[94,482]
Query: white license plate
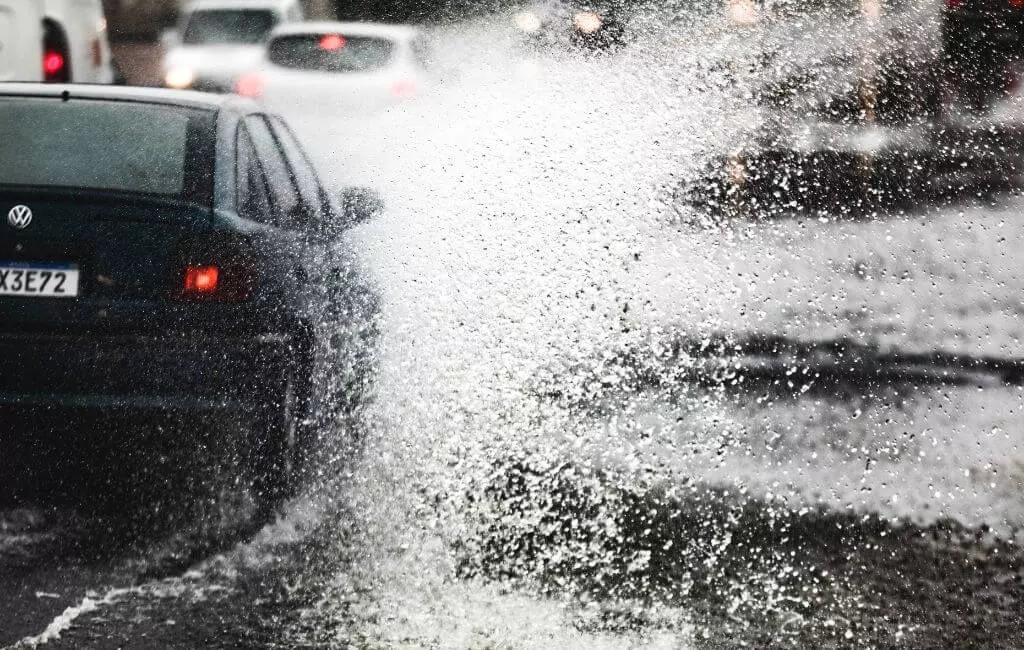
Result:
[38,280]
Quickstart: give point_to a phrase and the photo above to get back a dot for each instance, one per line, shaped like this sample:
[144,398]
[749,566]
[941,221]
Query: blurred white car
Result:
[57,41]
[334,65]
[217,40]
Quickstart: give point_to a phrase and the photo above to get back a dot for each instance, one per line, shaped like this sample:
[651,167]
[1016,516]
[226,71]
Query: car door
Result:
[269,193]
[346,301]
[339,289]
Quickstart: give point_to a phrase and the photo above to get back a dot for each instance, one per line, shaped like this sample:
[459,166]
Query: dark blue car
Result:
[168,250]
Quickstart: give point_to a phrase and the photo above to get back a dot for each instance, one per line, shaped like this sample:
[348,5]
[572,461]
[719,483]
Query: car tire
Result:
[276,449]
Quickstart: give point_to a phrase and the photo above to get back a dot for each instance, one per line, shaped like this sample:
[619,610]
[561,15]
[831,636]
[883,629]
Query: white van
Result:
[58,41]
[218,40]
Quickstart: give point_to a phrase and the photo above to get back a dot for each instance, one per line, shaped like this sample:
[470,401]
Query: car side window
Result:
[304,173]
[252,192]
[288,209]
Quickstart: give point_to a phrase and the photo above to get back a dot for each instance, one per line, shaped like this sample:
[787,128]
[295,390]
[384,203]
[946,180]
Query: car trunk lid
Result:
[124,252]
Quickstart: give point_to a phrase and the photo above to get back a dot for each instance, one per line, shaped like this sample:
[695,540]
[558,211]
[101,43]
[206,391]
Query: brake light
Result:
[216,267]
[954,4]
[332,42]
[201,280]
[231,282]
[56,61]
[53,64]
[1017,4]
[249,85]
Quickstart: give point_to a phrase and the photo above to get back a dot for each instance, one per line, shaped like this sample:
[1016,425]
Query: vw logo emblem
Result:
[19,217]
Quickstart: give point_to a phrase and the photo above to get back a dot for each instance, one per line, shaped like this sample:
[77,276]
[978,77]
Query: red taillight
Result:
[1017,4]
[249,85]
[53,65]
[954,4]
[220,283]
[201,280]
[332,42]
[404,88]
[56,62]
[214,268]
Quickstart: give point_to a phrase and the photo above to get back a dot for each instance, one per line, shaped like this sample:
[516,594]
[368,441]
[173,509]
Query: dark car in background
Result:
[982,40]
[598,25]
[862,111]
[165,250]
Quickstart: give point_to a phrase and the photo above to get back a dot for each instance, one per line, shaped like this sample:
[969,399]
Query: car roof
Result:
[193,5]
[381,30]
[167,97]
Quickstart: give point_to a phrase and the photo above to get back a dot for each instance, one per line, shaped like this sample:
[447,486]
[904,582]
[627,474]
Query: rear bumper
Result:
[135,372]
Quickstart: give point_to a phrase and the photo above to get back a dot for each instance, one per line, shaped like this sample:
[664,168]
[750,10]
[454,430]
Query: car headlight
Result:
[528,22]
[587,22]
[741,12]
[179,77]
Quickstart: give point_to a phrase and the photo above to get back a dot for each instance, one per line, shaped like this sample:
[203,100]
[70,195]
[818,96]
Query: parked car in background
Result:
[334,65]
[168,250]
[217,40]
[57,41]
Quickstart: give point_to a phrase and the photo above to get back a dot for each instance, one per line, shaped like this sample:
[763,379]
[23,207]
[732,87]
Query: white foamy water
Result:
[525,230]
[521,200]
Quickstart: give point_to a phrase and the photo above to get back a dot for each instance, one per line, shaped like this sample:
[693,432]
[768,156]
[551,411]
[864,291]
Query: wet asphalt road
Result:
[593,426]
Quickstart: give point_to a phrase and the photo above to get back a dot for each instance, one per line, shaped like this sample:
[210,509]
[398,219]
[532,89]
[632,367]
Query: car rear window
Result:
[227,26]
[331,52]
[107,145]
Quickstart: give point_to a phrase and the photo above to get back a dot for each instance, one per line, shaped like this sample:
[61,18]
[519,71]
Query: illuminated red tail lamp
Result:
[249,85]
[201,280]
[1016,4]
[332,42]
[53,65]
[954,4]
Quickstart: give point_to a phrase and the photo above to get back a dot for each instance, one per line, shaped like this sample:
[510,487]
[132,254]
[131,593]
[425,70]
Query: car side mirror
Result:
[170,38]
[360,204]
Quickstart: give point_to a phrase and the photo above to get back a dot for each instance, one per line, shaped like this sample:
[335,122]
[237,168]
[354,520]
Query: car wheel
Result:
[275,450]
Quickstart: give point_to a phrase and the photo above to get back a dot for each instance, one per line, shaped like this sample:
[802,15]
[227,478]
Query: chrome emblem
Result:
[19,217]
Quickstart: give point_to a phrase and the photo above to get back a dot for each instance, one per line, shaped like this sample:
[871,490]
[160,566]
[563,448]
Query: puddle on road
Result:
[804,501]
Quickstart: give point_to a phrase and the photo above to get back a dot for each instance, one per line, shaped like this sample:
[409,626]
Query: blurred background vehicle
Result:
[334,65]
[868,109]
[217,40]
[598,25]
[55,41]
[982,41]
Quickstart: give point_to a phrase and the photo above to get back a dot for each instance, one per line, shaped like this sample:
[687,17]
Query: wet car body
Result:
[357,68]
[573,24]
[203,284]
